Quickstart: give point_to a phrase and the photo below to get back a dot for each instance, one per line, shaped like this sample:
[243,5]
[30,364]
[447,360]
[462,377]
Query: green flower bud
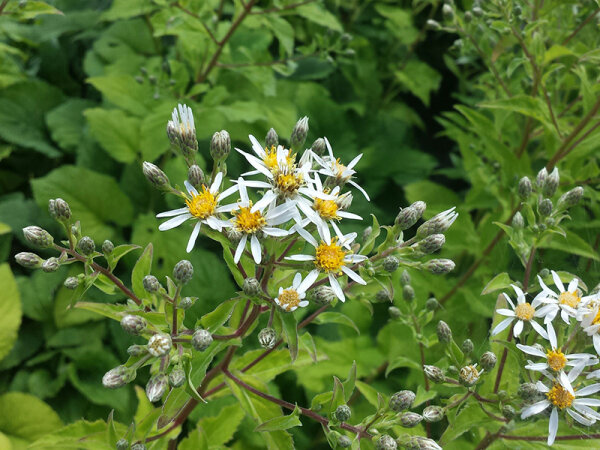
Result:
[133,324]
[525,188]
[267,337]
[29,260]
[122,444]
[107,247]
[409,216]
[430,244]
[432,304]
[59,210]
[366,233]
[195,176]
[401,400]
[159,344]
[383,295]
[433,413]
[405,278]
[38,236]
[386,442]
[118,377]
[410,419]
[418,443]
[540,179]
[201,339]
[319,146]
[177,377]
[51,265]
[86,245]
[438,224]
[448,12]
[518,222]
[138,446]
[186,303]
[467,346]
[444,333]
[220,145]
[440,266]
[323,295]
[183,271]
[299,134]
[571,198]
[390,264]
[271,139]
[155,176]
[468,375]
[545,207]
[508,412]
[551,183]
[394,312]
[136,350]
[251,287]
[156,387]
[488,361]
[343,413]
[151,283]
[408,293]
[71,283]
[434,373]
[344,441]
[528,391]
[477,11]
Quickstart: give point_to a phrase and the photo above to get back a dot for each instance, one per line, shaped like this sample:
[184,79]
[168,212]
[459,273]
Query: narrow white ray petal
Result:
[297,280]
[502,326]
[545,288]
[552,426]
[257,164]
[277,232]
[531,350]
[240,248]
[534,409]
[552,336]
[586,410]
[324,232]
[303,304]
[173,212]
[573,285]
[354,258]
[352,274]
[256,250]
[538,367]
[596,340]
[227,208]
[214,223]
[306,235]
[348,215]
[542,387]
[257,184]
[243,192]
[308,281]
[583,420]
[508,299]
[338,232]
[537,327]
[518,328]
[300,258]
[557,282]
[227,192]
[519,292]
[258,149]
[363,192]
[587,401]
[174,222]
[193,237]
[566,382]
[329,148]
[588,390]
[352,163]
[217,183]
[506,312]
[263,202]
[337,289]
[191,189]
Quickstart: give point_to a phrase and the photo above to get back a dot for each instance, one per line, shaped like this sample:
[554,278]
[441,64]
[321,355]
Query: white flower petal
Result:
[214,188]
[348,215]
[531,350]
[579,418]
[258,149]
[173,212]
[537,327]
[306,235]
[534,409]
[337,290]
[363,192]
[588,390]
[352,163]
[191,189]
[227,192]
[193,237]
[552,336]
[518,328]
[352,274]
[308,281]
[552,426]
[557,282]
[573,285]
[240,248]
[174,222]
[506,312]
[256,250]
[502,326]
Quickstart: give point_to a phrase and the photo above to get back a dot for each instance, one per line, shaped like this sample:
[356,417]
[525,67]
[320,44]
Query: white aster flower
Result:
[331,167]
[556,360]
[561,397]
[567,301]
[591,325]
[523,312]
[331,258]
[202,207]
[293,297]
[252,221]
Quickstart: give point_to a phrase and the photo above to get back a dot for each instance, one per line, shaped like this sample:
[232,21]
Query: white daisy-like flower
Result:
[267,159]
[522,312]
[202,207]
[292,298]
[251,221]
[566,301]
[556,360]
[331,259]
[561,397]
[332,167]
[591,325]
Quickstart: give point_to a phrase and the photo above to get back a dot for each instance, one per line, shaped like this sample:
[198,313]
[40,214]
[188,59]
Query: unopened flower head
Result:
[51,265]
[523,312]
[267,337]
[434,373]
[391,263]
[386,442]
[220,145]
[299,133]
[433,413]
[71,283]
[444,333]
[541,177]
[196,176]
[151,283]
[59,210]
[432,304]
[409,216]
[438,224]
[319,147]
[38,237]
[518,222]
[418,443]
[430,244]
[107,247]
[182,131]
[155,176]
[292,298]
[488,361]
[86,245]
[133,324]
[440,266]
[118,377]
[408,293]
[545,207]
[570,198]
[525,188]
[469,375]
[410,419]
[177,377]
[402,400]
[323,295]
[29,260]
[183,271]
[201,339]
[394,312]
[467,346]
[343,413]
[271,139]
[156,387]
[159,344]
[551,183]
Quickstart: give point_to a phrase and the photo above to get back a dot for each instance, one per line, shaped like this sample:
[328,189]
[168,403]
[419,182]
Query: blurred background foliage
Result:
[450,116]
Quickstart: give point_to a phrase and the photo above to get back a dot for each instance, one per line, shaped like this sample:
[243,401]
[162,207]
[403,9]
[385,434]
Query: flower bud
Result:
[448,12]
[177,377]
[383,295]
[59,210]
[432,304]
[468,375]
[433,25]
[267,337]
[407,217]
[136,350]
[183,271]
[122,444]
[71,283]
[251,287]
[430,244]
[220,145]
[86,245]
[133,324]
[186,303]
[29,260]
[201,339]
[38,236]
[156,387]
[344,441]
[195,176]
[467,346]
[434,373]
[390,264]
[540,179]
[544,272]
[438,224]
[528,391]
[408,293]
[181,130]
[418,443]
[551,183]
[151,283]
[319,146]
[271,139]
[433,413]
[508,412]
[488,361]
[155,176]
[51,265]
[401,400]
[440,266]
[117,377]
[410,419]
[299,134]
[344,201]
[323,295]
[343,413]
[107,247]
[159,344]
[525,188]
[453,370]
[138,446]
[571,198]
[545,207]
[477,11]
[405,278]
[518,222]
[444,333]
[386,442]
[366,233]
[394,312]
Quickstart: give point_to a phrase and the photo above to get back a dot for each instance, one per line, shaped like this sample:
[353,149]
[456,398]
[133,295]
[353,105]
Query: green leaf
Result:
[96,202]
[190,388]
[77,435]
[281,423]
[419,79]
[368,392]
[335,317]
[571,244]
[523,104]
[125,9]
[213,320]
[220,429]
[116,132]
[140,270]
[290,332]
[10,304]
[318,14]
[470,417]
[67,123]
[118,252]
[370,242]
[500,281]
[31,9]
[125,92]
[350,382]
[337,398]
[423,395]
[402,361]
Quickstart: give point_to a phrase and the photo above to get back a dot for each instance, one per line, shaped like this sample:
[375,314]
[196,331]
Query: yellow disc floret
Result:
[560,397]
[570,299]
[556,359]
[288,183]
[596,319]
[288,299]
[524,311]
[247,221]
[327,209]
[339,168]
[271,162]
[330,257]
[202,205]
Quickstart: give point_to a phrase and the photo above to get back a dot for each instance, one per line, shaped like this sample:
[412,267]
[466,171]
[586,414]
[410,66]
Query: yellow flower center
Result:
[469,375]
[270,159]
[560,397]
[524,311]
[556,359]
[288,183]
[288,299]
[569,298]
[202,205]
[330,257]
[596,319]
[339,167]
[327,209]
[249,222]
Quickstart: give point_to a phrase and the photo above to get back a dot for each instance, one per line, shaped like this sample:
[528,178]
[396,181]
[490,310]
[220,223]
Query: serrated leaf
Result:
[140,270]
[281,423]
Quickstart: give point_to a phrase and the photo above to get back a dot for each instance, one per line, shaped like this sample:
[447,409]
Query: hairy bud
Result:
[408,293]
[508,412]
[323,295]
[156,387]
[71,283]
[220,145]
[525,188]
[136,350]
[267,337]
[386,442]
[528,391]
[434,373]
[343,413]
[59,210]
[467,346]
[319,146]
[181,130]
[401,400]
[383,295]
[488,361]
[448,12]
[540,179]
[29,260]
[107,247]
[394,312]
[138,446]
[122,444]
[195,175]
[545,207]
[430,244]
[407,217]
[418,443]
[133,324]
[271,139]
[344,441]
[438,224]
[571,198]
[177,377]
[38,236]
[432,304]
[117,377]
[468,375]
[183,271]
[433,413]
[518,222]
[151,283]
[390,264]
[155,176]
[551,183]
[86,245]
[299,134]
[444,333]
[440,266]
[433,25]
[51,265]
[186,303]
[201,339]
[159,344]
[405,278]
[251,287]
[410,419]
